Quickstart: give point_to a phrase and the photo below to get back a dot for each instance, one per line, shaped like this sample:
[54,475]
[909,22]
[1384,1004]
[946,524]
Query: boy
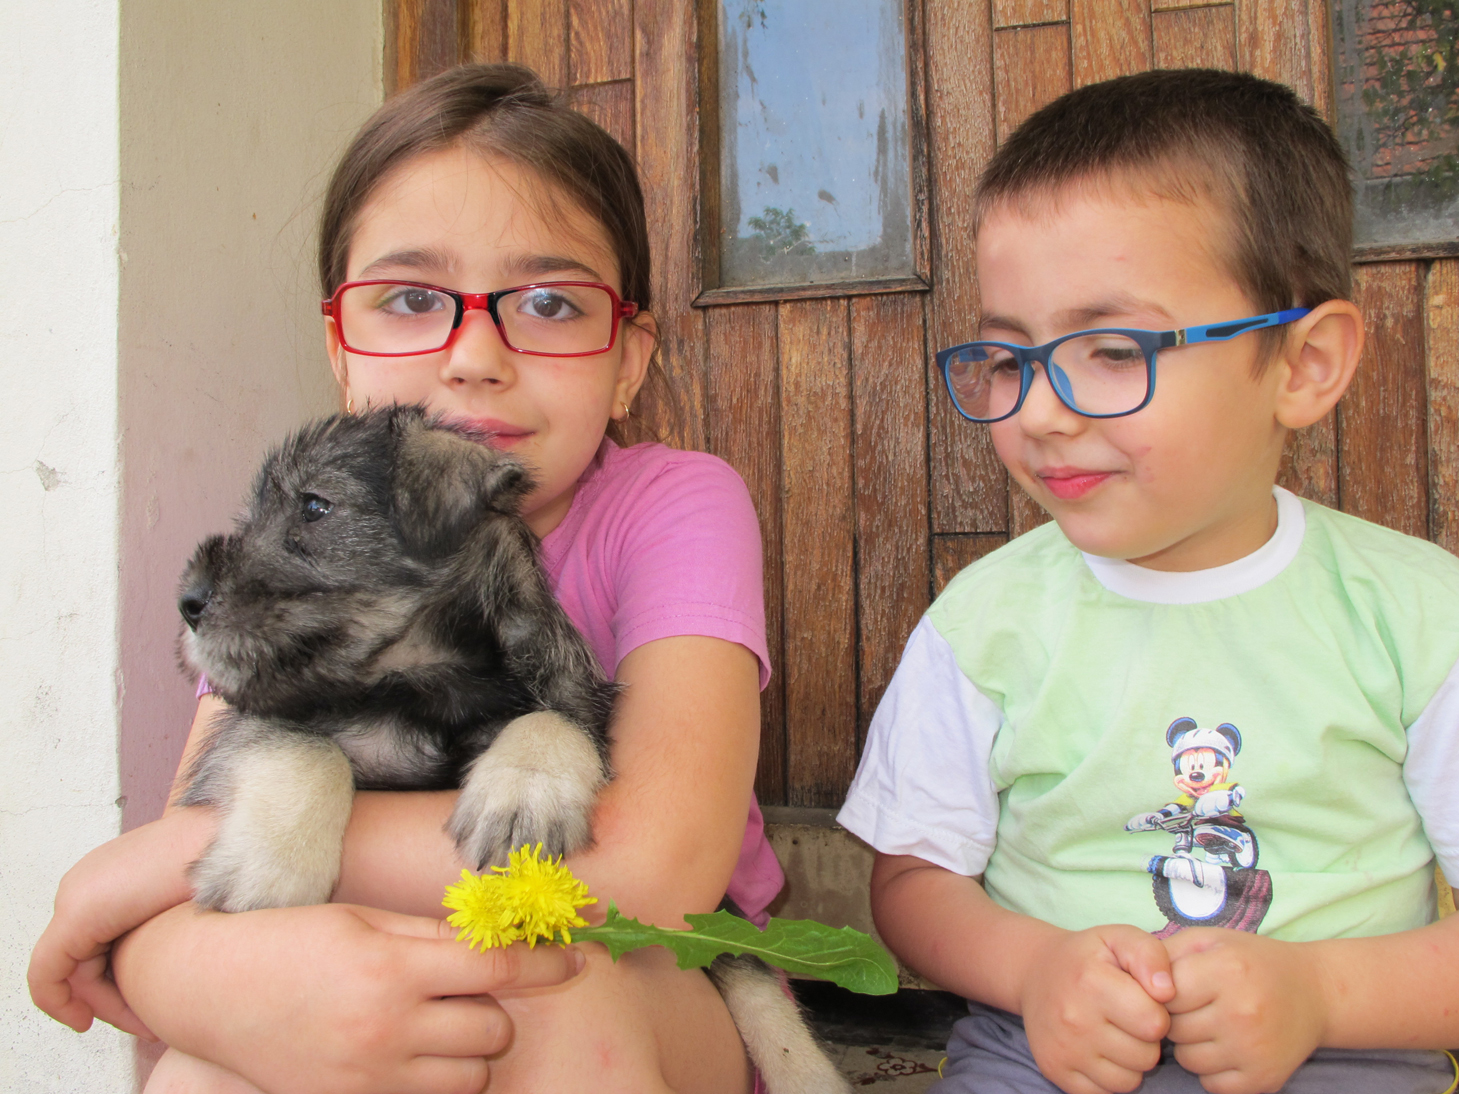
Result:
[1159,786]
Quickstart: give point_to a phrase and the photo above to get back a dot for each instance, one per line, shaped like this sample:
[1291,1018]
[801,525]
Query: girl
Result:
[476,182]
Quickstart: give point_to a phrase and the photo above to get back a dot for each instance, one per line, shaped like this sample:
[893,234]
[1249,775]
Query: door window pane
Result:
[1398,114]
[815,170]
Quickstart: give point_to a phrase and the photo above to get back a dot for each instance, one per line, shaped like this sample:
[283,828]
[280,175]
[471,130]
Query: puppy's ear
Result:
[444,483]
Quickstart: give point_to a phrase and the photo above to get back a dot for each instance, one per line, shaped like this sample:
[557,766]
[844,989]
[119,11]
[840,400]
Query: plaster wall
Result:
[160,164]
[232,117]
[58,492]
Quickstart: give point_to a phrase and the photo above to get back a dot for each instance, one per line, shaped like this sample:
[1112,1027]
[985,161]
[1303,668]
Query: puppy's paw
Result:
[282,827]
[535,784]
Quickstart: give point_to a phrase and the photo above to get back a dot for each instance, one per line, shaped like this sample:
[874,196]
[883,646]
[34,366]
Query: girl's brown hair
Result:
[506,111]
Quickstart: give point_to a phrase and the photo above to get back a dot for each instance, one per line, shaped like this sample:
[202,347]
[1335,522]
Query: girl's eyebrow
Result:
[419,258]
[529,267]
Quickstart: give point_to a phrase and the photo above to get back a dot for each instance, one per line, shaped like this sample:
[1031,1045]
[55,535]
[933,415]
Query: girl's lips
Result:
[493,431]
[1068,483]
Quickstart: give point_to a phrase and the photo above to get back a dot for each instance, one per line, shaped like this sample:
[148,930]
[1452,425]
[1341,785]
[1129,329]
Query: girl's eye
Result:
[553,304]
[316,507]
[410,300]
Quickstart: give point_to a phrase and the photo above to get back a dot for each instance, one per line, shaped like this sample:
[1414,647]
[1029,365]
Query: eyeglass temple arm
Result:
[1220,332]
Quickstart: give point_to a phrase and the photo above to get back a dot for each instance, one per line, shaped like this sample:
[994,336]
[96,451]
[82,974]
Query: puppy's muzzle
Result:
[194,601]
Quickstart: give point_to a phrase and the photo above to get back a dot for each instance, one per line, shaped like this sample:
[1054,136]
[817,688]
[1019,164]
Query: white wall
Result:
[58,492]
[159,161]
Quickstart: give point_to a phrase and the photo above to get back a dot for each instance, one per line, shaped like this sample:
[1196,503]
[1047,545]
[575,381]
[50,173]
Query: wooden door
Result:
[871,492]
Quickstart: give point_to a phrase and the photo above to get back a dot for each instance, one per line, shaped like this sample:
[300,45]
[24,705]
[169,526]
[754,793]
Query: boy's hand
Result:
[118,886]
[1247,1010]
[1093,1007]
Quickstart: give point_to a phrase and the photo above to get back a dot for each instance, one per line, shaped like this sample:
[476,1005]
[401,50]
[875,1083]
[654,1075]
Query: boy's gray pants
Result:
[989,1054]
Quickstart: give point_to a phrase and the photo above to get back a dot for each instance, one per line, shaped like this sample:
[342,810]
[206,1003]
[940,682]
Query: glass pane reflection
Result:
[1397,65]
[814,173]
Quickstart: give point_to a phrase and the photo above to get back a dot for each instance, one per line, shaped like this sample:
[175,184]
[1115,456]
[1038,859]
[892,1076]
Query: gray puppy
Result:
[379,620]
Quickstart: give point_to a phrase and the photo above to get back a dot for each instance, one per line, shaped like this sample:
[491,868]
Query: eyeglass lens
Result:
[399,318]
[1095,373]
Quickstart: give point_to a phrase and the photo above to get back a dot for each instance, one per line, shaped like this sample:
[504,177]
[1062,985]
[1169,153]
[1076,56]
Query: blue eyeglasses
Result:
[1103,373]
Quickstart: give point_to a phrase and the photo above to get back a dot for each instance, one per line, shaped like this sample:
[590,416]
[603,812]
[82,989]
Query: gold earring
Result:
[626,412]
[349,404]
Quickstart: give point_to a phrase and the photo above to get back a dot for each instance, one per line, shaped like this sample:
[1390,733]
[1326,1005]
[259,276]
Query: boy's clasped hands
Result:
[1242,1011]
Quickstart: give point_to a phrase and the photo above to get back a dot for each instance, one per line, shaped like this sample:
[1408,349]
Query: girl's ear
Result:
[1320,357]
[638,336]
[337,363]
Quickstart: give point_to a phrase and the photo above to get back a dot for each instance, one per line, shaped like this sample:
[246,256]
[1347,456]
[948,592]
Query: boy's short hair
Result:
[1250,145]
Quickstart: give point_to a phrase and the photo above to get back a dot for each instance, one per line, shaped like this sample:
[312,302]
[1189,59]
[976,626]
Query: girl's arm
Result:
[120,885]
[667,829]
[1092,1001]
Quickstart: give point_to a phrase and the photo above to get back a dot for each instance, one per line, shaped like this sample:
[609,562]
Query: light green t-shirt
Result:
[1027,731]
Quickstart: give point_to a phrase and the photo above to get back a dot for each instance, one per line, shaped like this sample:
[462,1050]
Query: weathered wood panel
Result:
[820,600]
[1030,70]
[484,35]
[1383,419]
[890,411]
[1195,37]
[537,38]
[744,429]
[1108,38]
[422,38]
[953,554]
[1026,13]
[967,481]
[1442,315]
[601,44]
[611,106]
[1274,40]
[666,112]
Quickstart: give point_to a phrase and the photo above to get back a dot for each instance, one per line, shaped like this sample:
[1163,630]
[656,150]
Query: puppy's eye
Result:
[316,507]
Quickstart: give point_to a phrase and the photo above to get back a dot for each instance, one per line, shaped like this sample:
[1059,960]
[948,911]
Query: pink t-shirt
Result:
[660,543]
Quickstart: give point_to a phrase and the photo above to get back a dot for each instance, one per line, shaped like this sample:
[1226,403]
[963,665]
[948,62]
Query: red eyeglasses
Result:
[406,318]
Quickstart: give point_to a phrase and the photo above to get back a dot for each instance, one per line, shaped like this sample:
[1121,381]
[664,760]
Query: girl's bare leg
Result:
[642,1026]
[178,1073]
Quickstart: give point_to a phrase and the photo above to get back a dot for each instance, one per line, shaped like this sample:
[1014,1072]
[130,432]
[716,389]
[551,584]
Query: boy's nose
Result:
[1042,411]
[478,355]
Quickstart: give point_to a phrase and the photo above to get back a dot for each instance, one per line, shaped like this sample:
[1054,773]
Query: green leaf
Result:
[838,954]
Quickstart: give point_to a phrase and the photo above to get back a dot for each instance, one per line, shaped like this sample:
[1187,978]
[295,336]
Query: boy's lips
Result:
[1068,483]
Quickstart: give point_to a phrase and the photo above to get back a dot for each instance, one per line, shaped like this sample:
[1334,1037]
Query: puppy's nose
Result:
[193,602]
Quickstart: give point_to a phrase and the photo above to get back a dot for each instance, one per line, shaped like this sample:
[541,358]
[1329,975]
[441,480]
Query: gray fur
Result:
[379,620]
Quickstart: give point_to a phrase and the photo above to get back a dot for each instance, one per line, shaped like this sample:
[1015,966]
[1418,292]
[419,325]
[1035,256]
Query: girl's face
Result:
[459,220]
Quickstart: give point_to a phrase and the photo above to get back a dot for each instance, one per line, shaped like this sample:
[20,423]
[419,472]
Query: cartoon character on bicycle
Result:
[1222,887]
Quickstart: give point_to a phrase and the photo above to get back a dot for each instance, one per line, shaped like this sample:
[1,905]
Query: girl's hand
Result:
[346,999]
[1093,1008]
[1247,1009]
[115,888]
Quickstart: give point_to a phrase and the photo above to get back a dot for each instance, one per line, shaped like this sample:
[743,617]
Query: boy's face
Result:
[1185,483]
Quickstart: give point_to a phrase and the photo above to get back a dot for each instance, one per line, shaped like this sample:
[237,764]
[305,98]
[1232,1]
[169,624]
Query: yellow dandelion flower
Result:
[530,900]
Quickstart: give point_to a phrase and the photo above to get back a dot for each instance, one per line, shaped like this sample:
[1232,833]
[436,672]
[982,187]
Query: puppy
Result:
[379,620]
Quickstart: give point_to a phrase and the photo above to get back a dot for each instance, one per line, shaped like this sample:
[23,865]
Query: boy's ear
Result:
[1319,359]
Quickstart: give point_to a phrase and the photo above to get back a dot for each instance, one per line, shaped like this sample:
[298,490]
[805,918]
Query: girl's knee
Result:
[178,1073]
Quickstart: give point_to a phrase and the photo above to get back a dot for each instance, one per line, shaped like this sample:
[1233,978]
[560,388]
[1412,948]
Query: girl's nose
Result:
[478,355]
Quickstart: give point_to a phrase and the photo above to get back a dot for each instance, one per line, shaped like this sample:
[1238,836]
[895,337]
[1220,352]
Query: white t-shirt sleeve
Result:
[1431,769]
[923,786]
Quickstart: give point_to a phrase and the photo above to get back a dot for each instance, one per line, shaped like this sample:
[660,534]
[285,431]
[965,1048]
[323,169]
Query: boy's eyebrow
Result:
[1091,315]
